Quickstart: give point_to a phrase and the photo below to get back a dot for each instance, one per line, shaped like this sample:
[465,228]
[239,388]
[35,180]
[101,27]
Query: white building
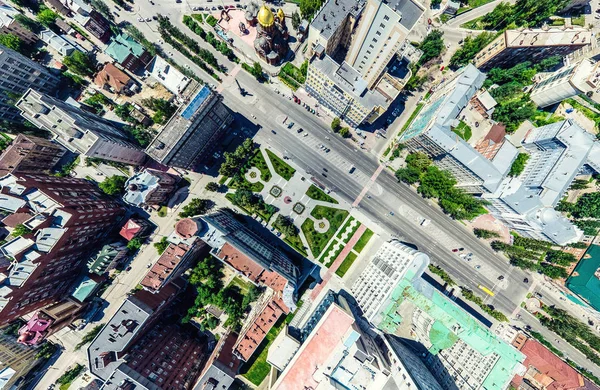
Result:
[375,284]
[579,78]
[56,42]
[166,74]
[78,130]
[10,25]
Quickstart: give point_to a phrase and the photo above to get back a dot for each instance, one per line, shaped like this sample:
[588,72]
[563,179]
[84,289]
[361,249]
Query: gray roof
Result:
[505,157]
[409,11]
[332,14]
[138,187]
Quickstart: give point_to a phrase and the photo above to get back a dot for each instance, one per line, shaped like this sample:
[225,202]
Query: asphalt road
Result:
[272,107]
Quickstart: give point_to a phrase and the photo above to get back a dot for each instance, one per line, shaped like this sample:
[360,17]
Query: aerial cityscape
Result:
[300,194]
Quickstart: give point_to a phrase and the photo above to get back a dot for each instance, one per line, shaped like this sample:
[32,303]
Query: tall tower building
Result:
[18,73]
[30,154]
[64,217]
[78,130]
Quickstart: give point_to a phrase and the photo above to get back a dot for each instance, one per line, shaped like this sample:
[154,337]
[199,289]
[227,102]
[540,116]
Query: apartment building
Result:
[65,217]
[193,131]
[78,130]
[9,24]
[29,154]
[17,74]
[107,258]
[457,349]
[149,187]
[531,44]
[575,79]
[355,46]
[17,361]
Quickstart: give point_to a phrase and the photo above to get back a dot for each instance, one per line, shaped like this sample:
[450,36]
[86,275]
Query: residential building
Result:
[484,103]
[166,74]
[127,52]
[18,73]
[29,154]
[460,352]
[86,287]
[584,282]
[374,287]
[222,366]
[107,258]
[579,78]
[336,352]
[546,371]
[56,42]
[113,79]
[9,24]
[49,320]
[16,361]
[250,254]
[193,131]
[135,227]
[431,133]
[149,187]
[531,44]
[68,217]
[184,249]
[94,23]
[354,47]
[452,7]
[78,130]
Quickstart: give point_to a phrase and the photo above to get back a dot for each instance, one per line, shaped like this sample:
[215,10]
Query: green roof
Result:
[85,289]
[452,323]
[123,45]
[583,282]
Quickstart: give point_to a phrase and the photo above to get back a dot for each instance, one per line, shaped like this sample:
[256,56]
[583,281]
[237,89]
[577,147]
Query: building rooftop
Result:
[584,281]
[167,75]
[547,37]
[282,350]
[57,42]
[7,13]
[254,334]
[162,270]
[131,229]
[122,46]
[112,76]
[332,14]
[409,11]
[139,187]
[85,289]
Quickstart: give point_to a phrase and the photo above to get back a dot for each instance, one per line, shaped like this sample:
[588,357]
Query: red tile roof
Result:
[112,76]
[255,333]
[496,133]
[165,265]
[186,228]
[15,219]
[130,230]
[550,370]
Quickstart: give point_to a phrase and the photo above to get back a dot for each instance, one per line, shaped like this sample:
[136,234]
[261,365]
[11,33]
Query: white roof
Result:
[167,75]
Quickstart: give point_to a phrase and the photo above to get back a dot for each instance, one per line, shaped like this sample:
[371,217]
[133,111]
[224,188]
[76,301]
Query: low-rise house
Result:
[56,42]
[149,187]
[127,52]
[113,79]
[107,258]
[135,227]
[167,75]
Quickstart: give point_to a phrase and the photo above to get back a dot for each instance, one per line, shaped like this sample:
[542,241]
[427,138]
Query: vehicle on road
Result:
[140,19]
[501,277]
[352,169]
[323,173]
[391,213]
[525,280]
[305,135]
[486,290]
[477,266]
[128,269]
[300,130]
[455,250]
[325,169]
[273,131]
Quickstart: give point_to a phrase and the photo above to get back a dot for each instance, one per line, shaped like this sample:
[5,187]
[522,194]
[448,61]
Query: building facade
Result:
[68,216]
[18,73]
[78,130]
[532,44]
[193,132]
[149,187]
[10,25]
[29,154]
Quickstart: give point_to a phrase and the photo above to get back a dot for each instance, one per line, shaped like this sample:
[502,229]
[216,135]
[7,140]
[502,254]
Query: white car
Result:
[140,19]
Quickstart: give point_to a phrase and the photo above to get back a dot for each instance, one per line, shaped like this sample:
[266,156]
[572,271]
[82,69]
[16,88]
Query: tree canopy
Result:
[196,207]
[12,42]
[114,185]
[47,17]
[79,63]
[432,46]
[524,13]
[471,46]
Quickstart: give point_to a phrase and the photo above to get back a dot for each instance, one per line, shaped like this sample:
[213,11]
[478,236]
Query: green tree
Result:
[46,350]
[28,23]
[135,244]
[89,336]
[408,175]
[104,10]
[20,230]
[432,46]
[12,42]
[553,272]
[336,124]
[560,258]
[286,226]
[162,245]
[471,46]
[244,198]
[518,165]
[296,21]
[579,184]
[485,234]
[309,7]
[79,63]
[47,17]
[436,3]
[114,185]
[212,186]
[196,207]
[514,112]
[345,132]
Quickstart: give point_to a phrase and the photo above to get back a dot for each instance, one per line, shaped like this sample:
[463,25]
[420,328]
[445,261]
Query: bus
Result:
[486,290]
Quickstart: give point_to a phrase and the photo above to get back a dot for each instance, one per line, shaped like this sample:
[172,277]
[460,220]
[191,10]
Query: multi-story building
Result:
[29,154]
[67,217]
[107,258]
[10,25]
[127,52]
[355,46]
[18,73]
[149,187]
[222,366]
[531,44]
[78,130]
[250,254]
[95,24]
[135,227]
[571,80]
[193,132]
[16,361]
[460,352]
[431,133]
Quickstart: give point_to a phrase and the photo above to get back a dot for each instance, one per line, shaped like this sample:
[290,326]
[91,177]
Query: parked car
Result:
[290,125]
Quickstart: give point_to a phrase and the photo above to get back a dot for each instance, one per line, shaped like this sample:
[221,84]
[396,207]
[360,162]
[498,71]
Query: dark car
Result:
[526,280]
[300,130]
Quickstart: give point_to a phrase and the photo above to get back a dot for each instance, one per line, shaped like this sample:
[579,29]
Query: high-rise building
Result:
[149,187]
[18,73]
[531,44]
[107,257]
[356,49]
[193,132]
[78,130]
[10,25]
[16,361]
[62,217]
[571,80]
[460,352]
[29,154]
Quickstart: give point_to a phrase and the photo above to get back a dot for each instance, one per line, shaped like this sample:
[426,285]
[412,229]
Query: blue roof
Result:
[85,289]
[196,102]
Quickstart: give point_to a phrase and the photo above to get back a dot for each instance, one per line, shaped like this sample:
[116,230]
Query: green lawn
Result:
[463,131]
[280,166]
[578,21]
[335,255]
[346,264]
[240,181]
[411,118]
[348,222]
[352,231]
[316,193]
[243,285]
[318,241]
[363,240]
[259,162]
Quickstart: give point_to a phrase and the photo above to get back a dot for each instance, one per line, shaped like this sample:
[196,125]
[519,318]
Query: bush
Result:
[89,336]
[196,207]
[434,269]
[470,48]
[518,165]
[114,185]
[20,230]
[336,124]
[211,20]
[483,233]
[135,244]
[162,245]
[212,186]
